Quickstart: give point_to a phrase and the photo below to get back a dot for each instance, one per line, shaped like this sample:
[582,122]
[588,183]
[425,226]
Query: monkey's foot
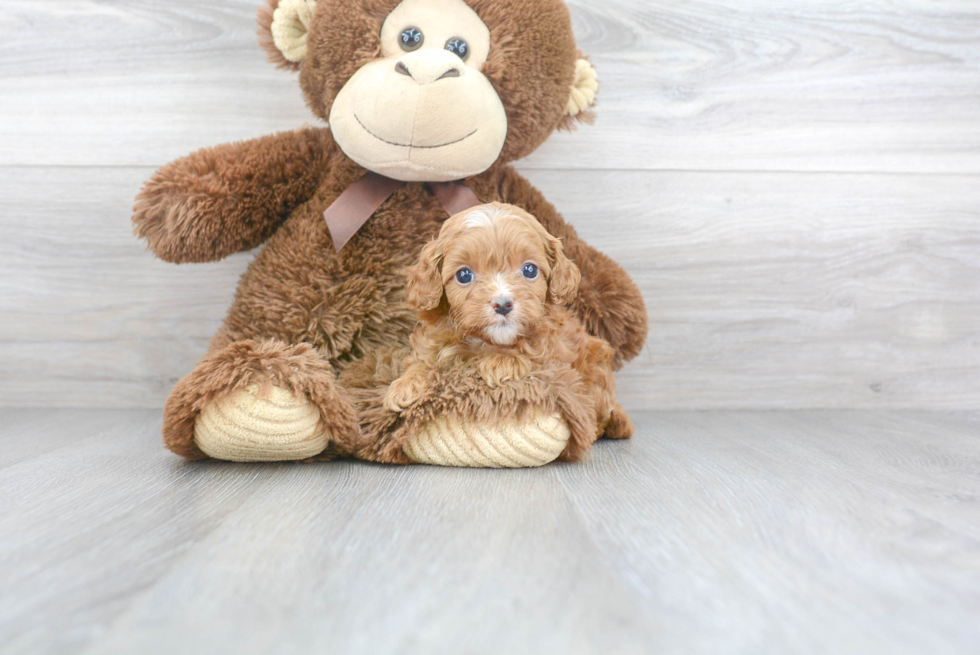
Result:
[536,441]
[260,401]
[248,426]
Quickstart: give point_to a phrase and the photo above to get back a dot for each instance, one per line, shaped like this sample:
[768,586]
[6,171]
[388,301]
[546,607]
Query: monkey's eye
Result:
[411,39]
[464,276]
[458,47]
[530,271]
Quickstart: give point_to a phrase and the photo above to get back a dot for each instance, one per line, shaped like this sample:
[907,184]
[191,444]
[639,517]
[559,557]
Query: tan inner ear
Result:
[583,89]
[290,24]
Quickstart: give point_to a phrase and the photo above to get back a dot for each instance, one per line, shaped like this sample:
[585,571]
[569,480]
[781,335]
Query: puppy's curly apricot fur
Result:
[492,291]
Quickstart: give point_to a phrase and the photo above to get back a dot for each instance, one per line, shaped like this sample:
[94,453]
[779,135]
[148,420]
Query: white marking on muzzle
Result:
[502,335]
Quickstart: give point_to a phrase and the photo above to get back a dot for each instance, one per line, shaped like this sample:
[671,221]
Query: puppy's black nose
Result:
[503,306]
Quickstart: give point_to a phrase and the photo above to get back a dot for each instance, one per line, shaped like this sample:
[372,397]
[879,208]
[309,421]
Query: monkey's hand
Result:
[229,198]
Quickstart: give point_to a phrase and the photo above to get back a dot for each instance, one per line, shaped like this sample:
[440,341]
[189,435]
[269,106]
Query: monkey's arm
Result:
[222,200]
[609,303]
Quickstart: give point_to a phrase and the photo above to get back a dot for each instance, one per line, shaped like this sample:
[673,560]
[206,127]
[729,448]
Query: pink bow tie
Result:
[352,208]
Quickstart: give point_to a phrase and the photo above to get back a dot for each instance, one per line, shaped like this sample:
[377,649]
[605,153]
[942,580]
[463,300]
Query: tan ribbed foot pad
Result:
[244,427]
[446,442]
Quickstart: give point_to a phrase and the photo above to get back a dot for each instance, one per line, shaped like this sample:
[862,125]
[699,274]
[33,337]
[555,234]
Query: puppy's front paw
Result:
[402,394]
[497,370]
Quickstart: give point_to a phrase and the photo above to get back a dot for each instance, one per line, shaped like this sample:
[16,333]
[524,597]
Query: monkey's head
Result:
[433,90]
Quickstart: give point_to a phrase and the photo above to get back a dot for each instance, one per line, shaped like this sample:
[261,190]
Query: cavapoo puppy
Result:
[492,292]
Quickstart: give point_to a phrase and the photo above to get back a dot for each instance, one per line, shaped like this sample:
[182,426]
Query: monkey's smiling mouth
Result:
[409,145]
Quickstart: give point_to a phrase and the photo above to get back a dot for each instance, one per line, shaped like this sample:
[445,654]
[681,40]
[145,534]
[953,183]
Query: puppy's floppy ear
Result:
[565,276]
[425,278]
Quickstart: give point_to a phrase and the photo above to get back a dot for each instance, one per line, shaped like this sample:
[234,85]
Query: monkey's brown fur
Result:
[304,313]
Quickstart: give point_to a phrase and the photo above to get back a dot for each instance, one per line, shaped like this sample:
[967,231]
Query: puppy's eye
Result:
[458,47]
[464,276]
[530,271]
[411,39]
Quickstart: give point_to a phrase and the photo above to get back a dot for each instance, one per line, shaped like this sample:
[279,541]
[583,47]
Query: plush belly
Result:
[299,289]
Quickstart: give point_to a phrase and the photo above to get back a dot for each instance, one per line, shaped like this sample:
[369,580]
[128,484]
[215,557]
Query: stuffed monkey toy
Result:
[428,102]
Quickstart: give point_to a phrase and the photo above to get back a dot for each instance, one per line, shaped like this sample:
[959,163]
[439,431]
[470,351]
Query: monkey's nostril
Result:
[452,72]
[402,69]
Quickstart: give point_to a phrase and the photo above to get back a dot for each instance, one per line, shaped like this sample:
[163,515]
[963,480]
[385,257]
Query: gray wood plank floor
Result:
[711,532]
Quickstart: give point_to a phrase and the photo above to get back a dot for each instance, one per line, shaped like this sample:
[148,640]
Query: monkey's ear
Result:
[283,27]
[583,91]
[425,279]
[565,276]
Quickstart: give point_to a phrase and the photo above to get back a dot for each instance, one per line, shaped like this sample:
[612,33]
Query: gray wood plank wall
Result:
[794,185]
